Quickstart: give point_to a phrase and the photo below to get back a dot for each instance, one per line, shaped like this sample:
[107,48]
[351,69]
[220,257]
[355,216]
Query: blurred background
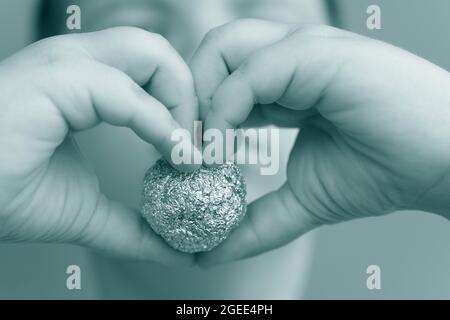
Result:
[412,249]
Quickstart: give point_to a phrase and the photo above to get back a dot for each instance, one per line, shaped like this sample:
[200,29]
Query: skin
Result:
[119,159]
[183,23]
[366,147]
[55,195]
[48,193]
[357,129]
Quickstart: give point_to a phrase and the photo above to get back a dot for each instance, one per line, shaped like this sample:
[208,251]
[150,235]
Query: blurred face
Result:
[185,22]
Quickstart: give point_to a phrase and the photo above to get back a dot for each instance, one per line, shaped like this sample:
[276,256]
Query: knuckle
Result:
[230,28]
[87,232]
[316,30]
[140,36]
[253,230]
[61,68]
[127,32]
[299,211]
[153,40]
[213,35]
[160,40]
[158,43]
[55,49]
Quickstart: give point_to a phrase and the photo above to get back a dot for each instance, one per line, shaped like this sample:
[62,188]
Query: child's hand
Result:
[71,83]
[375,125]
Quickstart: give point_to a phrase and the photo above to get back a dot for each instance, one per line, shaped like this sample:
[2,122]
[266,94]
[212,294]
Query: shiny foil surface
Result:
[196,211]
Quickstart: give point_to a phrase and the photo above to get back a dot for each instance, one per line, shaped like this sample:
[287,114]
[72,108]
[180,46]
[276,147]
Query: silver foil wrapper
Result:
[196,211]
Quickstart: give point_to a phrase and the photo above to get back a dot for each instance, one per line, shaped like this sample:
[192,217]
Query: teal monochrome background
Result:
[412,249]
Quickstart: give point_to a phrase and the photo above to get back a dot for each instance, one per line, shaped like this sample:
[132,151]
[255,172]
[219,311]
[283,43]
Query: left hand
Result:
[374,119]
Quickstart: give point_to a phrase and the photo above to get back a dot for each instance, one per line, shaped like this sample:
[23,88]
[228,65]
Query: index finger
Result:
[225,48]
[152,63]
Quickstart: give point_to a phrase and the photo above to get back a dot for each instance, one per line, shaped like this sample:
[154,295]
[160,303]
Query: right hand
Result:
[375,125]
[65,84]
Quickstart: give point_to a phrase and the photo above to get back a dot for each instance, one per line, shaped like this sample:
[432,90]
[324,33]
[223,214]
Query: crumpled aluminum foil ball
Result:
[196,211]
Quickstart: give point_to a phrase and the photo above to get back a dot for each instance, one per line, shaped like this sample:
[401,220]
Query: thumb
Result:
[119,231]
[271,221]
